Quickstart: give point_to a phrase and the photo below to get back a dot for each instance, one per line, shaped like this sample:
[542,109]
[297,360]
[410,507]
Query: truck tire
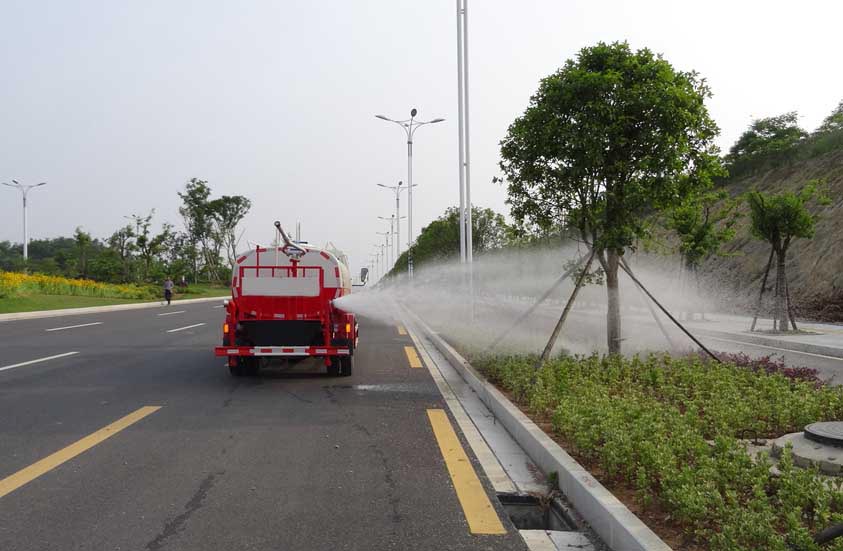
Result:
[335,366]
[236,370]
[346,365]
[252,366]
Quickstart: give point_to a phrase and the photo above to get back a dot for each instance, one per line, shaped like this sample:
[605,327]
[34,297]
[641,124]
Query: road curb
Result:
[778,343]
[619,528]
[98,309]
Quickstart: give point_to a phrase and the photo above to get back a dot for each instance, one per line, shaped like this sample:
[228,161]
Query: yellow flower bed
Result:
[19,283]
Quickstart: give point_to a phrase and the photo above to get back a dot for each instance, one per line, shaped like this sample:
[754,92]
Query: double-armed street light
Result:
[24,189]
[394,224]
[397,190]
[410,126]
[386,236]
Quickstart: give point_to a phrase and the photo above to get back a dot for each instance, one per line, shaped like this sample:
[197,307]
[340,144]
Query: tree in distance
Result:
[779,219]
[703,223]
[440,239]
[611,137]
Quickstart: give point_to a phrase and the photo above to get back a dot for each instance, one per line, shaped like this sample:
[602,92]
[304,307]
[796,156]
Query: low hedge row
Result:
[672,430]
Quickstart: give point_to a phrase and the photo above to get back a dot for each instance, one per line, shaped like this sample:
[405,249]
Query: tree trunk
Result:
[613,315]
[781,306]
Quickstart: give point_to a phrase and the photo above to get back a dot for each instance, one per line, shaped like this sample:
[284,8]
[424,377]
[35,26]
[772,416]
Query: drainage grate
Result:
[528,512]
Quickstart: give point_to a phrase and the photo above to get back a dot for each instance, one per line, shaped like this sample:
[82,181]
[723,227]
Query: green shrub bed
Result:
[671,430]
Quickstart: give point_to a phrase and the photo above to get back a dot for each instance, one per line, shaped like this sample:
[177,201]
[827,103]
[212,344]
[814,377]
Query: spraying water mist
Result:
[507,284]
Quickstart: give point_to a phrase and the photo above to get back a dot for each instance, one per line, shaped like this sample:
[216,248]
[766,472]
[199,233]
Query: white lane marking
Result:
[183,328]
[171,313]
[30,362]
[220,306]
[775,348]
[74,326]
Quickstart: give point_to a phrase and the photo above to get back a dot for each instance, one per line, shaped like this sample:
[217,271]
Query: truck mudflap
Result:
[282,351]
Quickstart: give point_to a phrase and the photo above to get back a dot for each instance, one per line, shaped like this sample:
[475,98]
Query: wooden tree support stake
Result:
[650,308]
[668,314]
[538,302]
[556,330]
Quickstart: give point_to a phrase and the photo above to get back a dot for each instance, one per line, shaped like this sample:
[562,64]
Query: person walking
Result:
[168,290]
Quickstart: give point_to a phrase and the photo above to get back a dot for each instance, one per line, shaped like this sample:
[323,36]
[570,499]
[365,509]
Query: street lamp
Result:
[466,238]
[393,222]
[410,126]
[397,189]
[24,189]
[386,240]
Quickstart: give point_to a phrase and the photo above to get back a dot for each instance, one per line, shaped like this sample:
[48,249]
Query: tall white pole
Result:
[410,196]
[398,218]
[25,229]
[469,241]
[461,130]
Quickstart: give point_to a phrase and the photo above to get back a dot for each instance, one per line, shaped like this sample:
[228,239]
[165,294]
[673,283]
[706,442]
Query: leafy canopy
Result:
[833,122]
[767,136]
[779,218]
[703,223]
[606,139]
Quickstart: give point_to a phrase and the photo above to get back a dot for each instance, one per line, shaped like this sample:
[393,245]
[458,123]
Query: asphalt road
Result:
[288,460]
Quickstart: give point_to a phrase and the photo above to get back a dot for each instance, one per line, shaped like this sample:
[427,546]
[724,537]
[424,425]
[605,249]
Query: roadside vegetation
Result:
[669,432]
[132,263]
[31,292]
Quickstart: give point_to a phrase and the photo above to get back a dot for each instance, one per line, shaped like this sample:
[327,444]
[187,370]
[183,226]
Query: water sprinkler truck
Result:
[282,307]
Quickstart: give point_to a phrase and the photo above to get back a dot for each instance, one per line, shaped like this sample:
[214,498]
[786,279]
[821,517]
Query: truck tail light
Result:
[225,328]
[348,328]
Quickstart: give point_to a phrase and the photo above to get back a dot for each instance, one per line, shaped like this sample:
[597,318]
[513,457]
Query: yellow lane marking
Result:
[28,474]
[479,512]
[412,356]
[401,330]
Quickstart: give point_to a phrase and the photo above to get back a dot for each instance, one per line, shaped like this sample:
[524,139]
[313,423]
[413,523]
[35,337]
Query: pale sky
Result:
[117,104]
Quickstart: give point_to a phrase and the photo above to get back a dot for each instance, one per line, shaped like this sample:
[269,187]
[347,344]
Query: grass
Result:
[29,293]
[666,433]
[36,302]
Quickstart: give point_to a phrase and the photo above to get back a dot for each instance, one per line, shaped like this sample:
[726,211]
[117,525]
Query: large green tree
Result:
[610,137]
[226,213]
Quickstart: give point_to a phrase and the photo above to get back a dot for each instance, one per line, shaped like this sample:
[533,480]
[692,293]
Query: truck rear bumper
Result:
[282,351]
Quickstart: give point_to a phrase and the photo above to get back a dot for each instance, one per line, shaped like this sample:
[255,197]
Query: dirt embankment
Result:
[814,266]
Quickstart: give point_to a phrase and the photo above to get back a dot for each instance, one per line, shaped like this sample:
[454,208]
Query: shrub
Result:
[670,429]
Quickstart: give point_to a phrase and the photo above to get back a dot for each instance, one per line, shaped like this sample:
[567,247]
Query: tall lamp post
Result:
[386,235]
[397,190]
[394,225]
[410,126]
[24,189]
[466,238]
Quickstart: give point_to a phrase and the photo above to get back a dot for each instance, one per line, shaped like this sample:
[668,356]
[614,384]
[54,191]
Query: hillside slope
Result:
[814,267]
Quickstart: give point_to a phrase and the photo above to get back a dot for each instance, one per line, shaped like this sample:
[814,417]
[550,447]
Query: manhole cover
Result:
[829,432]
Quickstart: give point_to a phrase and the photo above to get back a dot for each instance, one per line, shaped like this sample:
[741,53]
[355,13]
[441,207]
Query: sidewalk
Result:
[823,338]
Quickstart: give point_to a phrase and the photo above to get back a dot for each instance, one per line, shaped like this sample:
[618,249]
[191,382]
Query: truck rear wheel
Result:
[236,369]
[335,366]
[346,365]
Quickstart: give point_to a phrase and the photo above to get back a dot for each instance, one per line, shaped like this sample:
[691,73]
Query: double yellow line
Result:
[30,473]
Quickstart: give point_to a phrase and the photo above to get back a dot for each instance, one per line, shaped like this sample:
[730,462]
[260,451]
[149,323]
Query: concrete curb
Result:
[619,528]
[772,341]
[99,309]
